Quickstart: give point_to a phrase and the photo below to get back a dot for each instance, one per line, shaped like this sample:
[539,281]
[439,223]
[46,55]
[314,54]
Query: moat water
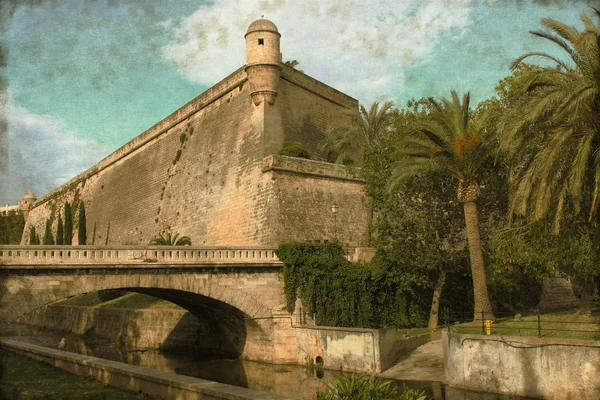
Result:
[287,380]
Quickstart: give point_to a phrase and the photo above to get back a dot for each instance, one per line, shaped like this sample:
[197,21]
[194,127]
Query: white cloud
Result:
[42,154]
[359,47]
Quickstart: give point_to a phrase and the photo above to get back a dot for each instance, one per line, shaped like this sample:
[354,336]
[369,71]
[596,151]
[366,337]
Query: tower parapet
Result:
[263,60]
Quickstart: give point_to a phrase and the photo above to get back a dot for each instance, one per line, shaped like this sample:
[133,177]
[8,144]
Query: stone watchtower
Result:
[263,61]
[26,204]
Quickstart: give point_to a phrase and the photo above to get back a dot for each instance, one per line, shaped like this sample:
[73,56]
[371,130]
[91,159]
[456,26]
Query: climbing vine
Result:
[336,292]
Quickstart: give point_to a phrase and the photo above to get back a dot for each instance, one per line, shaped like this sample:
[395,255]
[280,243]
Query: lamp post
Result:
[334,209]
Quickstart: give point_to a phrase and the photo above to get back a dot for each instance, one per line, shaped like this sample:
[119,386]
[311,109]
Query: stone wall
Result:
[136,329]
[350,349]
[304,191]
[199,172]
[523,366]
[307,108]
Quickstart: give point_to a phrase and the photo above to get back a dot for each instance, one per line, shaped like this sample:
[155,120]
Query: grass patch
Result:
[408,333]
[555,325]
[25,378]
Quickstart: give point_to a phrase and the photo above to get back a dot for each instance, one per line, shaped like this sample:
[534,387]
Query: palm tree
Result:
[563,101]
[169,240]
[352,136]
[450,138]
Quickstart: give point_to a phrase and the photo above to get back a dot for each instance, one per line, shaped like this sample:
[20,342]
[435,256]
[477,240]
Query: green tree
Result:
[418,228]
[68,227]
[171,240]
[562,174]
[59,231]
[11,228]
[81,228]
[451,138]
[32,235]
[350,138]
[48,238]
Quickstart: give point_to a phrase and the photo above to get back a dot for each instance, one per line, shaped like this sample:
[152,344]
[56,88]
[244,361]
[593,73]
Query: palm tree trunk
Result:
[435,302]
[480,292]
[587,294]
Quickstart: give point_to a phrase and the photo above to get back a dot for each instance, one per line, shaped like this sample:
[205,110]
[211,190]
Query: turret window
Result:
[261,42]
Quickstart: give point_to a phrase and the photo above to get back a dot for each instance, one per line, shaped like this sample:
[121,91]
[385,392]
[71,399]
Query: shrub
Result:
[171,240]
[358,387]
[294,149]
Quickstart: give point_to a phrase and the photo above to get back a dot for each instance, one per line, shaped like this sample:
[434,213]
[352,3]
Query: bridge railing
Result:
[24,255]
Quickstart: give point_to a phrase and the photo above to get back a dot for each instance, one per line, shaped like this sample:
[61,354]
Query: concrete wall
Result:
[349,349]
[162,385]
[523,366]
[199,172]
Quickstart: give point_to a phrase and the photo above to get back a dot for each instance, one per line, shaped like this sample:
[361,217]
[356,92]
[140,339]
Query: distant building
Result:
[24,205]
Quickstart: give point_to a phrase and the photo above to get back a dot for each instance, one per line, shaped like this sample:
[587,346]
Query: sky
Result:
[79,79]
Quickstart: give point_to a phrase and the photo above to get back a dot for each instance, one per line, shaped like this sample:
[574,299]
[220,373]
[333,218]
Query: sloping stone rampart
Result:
[200,172]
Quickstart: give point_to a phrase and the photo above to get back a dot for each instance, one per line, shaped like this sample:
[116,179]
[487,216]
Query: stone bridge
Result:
[237,292]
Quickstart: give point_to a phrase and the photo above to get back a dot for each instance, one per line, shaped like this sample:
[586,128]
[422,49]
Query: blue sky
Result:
[84,77]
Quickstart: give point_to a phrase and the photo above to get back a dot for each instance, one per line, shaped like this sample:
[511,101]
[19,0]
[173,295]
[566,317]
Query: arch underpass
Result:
[235,297]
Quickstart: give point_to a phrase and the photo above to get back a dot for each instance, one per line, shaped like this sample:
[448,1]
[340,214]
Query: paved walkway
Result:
[426,363]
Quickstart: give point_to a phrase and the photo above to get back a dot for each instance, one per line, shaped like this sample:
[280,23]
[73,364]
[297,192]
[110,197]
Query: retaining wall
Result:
[523,366]
[136,329]
[163,385]
[351,349]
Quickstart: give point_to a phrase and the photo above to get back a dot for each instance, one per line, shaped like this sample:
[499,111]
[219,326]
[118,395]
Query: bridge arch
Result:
[238,302]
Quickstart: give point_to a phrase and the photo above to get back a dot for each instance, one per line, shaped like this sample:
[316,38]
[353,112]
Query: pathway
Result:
[426,363]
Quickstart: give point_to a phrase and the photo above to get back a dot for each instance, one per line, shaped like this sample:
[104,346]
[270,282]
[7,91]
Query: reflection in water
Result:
[286,380]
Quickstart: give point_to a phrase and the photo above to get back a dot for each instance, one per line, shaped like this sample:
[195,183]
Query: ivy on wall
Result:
[337,292]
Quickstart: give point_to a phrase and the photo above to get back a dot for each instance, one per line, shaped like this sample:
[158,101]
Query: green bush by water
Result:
[359,387]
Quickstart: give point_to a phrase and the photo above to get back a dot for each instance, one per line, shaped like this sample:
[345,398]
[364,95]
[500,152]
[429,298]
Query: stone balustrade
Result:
[52,255]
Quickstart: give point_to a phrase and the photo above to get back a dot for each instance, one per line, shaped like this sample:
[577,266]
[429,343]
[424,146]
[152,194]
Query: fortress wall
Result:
[207,171]
[204,187]
[307,108]
[304,191]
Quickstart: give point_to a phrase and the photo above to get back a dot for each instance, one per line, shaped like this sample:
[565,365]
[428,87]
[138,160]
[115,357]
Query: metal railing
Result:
[44,255]
[533,323]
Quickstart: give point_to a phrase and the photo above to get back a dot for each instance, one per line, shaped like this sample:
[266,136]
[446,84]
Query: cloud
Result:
[379,39]
[42,154]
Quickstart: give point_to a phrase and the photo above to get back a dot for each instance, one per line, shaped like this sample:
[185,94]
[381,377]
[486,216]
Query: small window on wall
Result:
[261,42]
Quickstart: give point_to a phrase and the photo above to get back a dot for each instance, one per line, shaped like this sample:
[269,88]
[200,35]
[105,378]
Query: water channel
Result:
[287,380]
